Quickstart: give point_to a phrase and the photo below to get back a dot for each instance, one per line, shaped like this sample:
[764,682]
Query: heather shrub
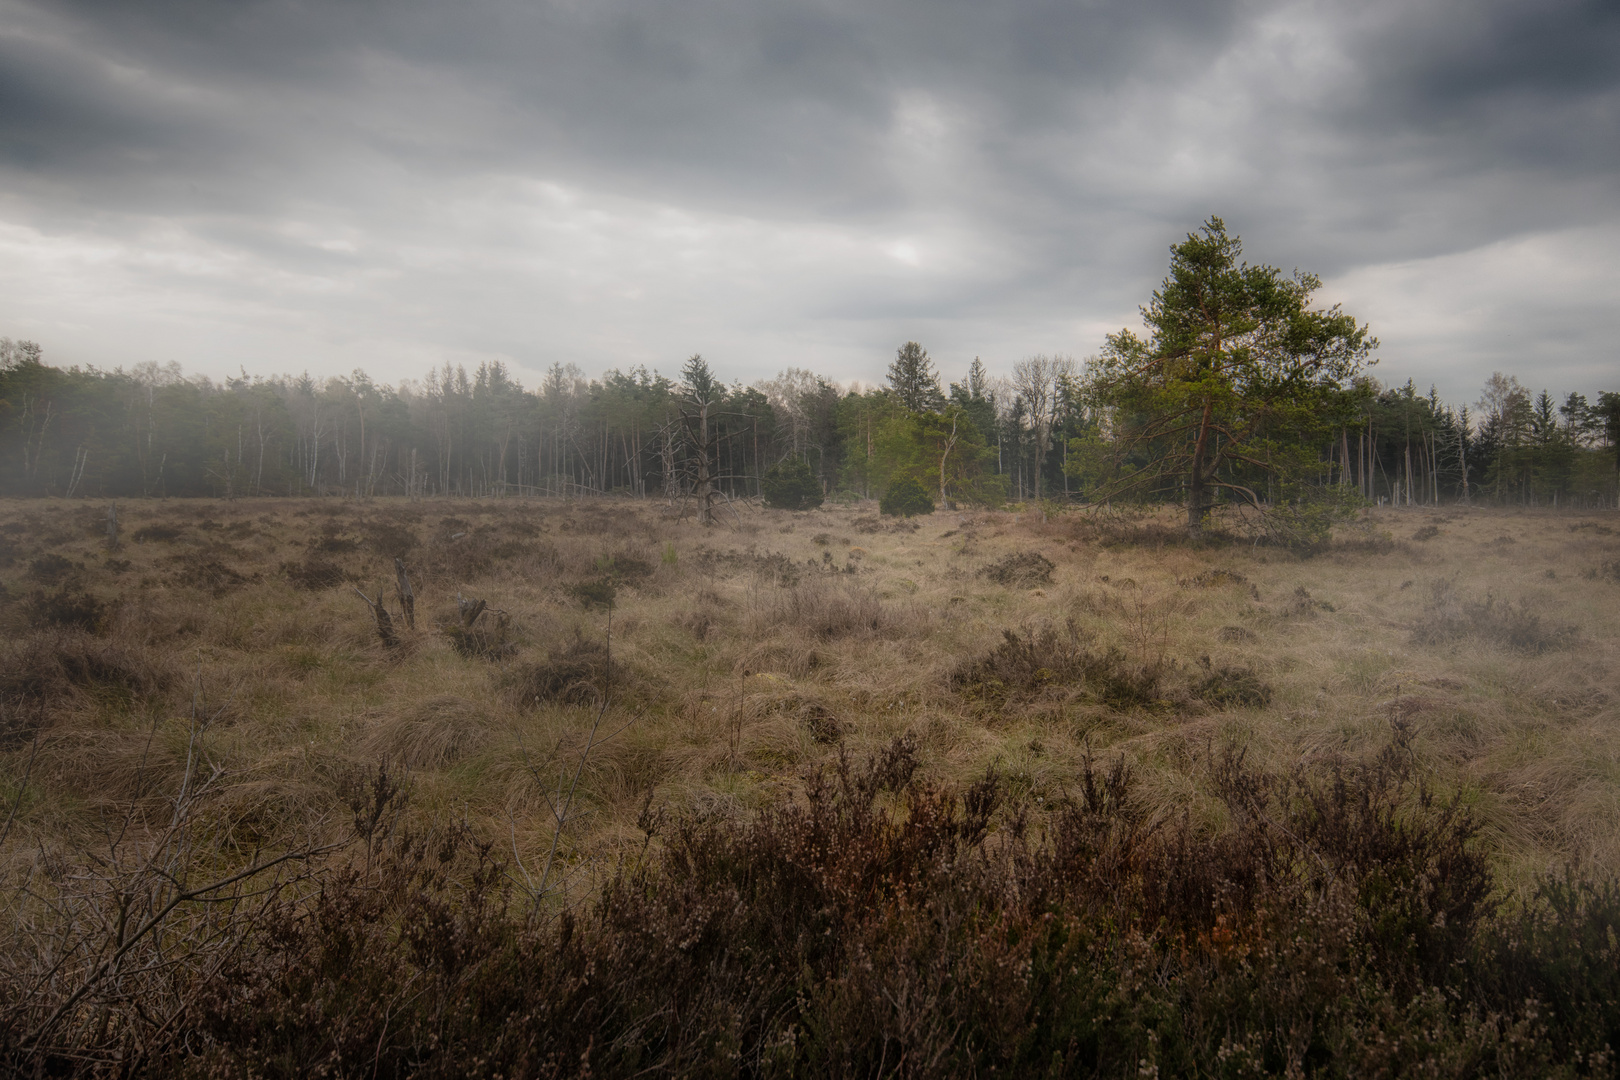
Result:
[65,608]
[1448,617]
[1343,924]
[1046,661]
[314,574]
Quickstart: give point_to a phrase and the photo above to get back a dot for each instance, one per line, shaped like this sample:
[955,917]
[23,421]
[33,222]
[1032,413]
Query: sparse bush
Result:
[160,532]
[488,638]
[50,569]
[65,607]
[205,573]
[791,485]
[1303,603]
[45,668]
[1021,570]
[905,498]
[577,673]
[1227,686]
[1428,532]
[1449,617]
[388,538]
[1020,667]
[314,574]
[1213,579]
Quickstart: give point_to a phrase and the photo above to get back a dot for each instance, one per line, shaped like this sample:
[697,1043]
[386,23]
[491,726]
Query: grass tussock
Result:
[825,610]
[436,733]
[1021,570]
[578,672]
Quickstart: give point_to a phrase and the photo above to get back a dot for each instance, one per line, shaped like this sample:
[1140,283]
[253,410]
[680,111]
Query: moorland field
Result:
[804,793]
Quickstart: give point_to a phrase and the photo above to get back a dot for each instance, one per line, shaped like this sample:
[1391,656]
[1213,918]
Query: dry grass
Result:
[747,653]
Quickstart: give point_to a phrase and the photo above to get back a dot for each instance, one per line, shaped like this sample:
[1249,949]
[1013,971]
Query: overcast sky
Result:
[391,184]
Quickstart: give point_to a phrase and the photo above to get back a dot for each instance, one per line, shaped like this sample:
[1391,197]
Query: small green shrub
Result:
[906,498]
[791,485]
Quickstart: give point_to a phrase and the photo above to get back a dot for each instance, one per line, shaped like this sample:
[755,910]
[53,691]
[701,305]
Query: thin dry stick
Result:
[385,625]
[407,597]
[154,921]
[22,788]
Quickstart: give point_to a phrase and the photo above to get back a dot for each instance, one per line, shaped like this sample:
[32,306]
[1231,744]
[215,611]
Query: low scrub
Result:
[576,673]
[1026,666]
[1449,617]
[65,608]
[48,667]
[314,574]
[1344,924]
[1021,570]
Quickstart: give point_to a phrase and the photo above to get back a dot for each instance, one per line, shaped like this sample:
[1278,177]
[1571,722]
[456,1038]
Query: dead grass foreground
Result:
[740,656]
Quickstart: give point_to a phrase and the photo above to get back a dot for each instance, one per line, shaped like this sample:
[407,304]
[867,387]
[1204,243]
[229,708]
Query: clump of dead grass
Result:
[430,735]
[1020,570]
[824,610]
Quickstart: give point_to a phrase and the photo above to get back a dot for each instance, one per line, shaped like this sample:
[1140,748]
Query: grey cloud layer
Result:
[1041,155]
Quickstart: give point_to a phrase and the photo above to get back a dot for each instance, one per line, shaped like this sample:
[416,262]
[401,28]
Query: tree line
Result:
[1241,393]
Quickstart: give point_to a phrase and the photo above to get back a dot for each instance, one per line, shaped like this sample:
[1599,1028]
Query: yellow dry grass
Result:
[751,651]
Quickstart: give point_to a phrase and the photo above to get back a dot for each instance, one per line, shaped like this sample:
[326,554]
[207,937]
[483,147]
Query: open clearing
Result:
[744,654]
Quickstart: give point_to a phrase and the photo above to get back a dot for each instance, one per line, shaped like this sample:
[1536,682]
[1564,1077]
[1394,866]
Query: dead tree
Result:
[112,527]
[470,609]
[402,589]
[385,624]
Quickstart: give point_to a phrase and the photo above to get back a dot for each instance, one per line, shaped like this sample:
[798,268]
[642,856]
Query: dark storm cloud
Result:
[605,182]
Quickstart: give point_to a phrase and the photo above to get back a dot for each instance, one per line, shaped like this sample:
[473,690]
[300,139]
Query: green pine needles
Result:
[791,485]
[906,498]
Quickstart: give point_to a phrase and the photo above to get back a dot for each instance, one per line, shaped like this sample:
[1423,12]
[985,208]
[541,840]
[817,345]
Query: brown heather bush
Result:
[48,667]
[314,574]
[65,607]
[575,673]
[1449,617]
[1022,667]
[1344,924]
[50,569]
[161,532]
